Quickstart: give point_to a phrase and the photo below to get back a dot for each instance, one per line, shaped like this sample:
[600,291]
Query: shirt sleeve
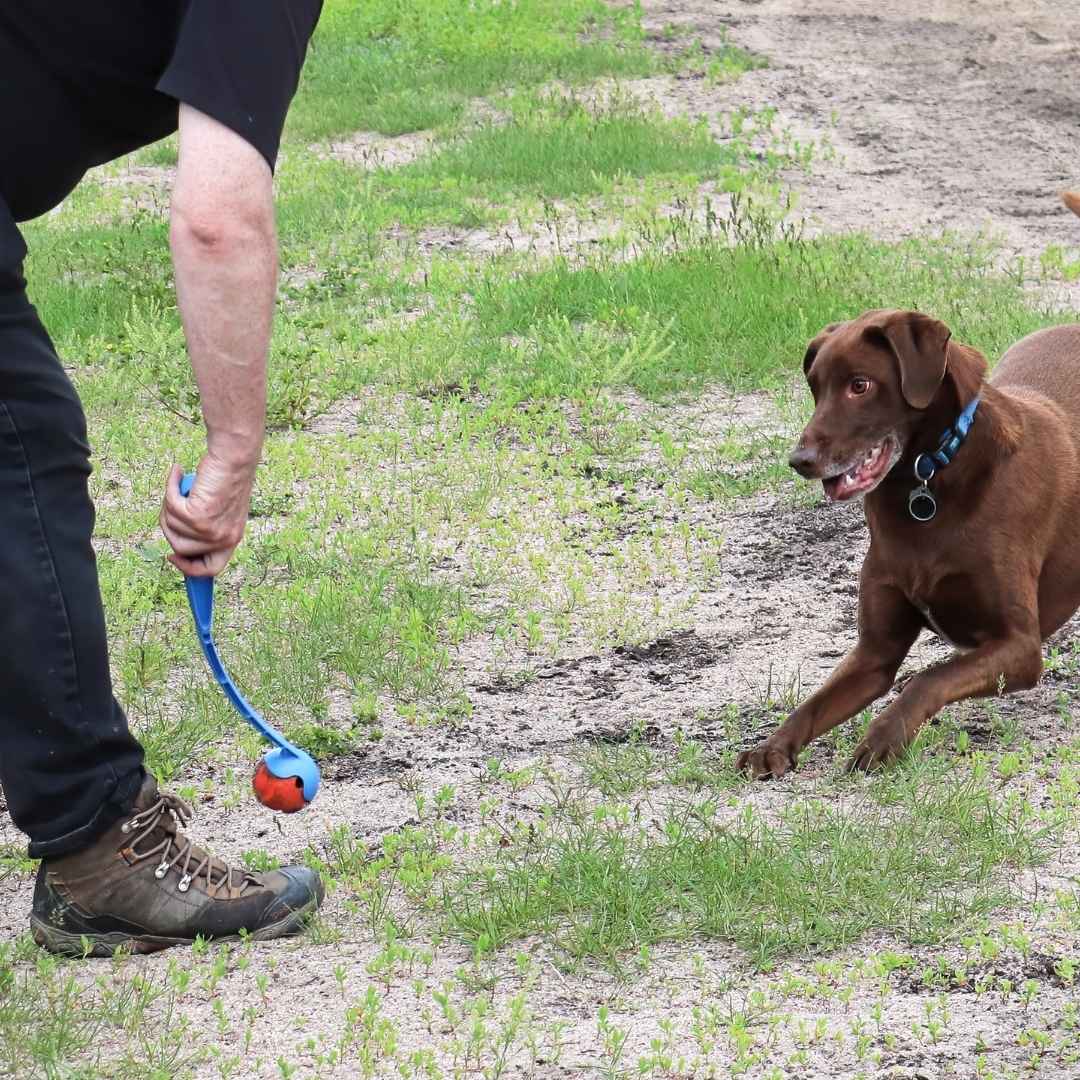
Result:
[239,61]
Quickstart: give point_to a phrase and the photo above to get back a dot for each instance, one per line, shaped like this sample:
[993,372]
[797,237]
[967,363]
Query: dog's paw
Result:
[879,748]
[767,761]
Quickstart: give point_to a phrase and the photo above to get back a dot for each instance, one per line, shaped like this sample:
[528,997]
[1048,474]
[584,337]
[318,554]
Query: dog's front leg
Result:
[888,626]
[1010,663]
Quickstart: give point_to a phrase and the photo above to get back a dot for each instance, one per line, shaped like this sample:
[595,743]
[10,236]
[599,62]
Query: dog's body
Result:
[995,571]
[1010,499]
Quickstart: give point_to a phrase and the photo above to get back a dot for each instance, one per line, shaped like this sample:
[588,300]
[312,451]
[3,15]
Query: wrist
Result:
[235,452]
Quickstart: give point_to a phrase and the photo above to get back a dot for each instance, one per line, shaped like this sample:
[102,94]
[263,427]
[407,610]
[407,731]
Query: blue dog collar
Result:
[921,504]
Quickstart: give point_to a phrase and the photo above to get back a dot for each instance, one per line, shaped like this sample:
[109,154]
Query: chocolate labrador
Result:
[972,496]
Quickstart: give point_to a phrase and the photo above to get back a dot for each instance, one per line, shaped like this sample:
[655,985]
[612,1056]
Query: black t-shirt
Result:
[84,81]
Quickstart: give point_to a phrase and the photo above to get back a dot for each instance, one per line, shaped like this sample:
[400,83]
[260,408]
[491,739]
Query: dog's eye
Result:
[860,384]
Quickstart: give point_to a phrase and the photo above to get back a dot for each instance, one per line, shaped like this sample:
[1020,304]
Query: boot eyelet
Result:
[185,882]
[126,827]
[161,871]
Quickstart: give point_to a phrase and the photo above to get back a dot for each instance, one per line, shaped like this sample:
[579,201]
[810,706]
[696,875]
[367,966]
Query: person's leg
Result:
[115,869]
[68,764]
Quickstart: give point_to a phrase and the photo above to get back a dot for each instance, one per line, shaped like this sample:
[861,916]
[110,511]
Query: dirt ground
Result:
[955,114]
[946,114]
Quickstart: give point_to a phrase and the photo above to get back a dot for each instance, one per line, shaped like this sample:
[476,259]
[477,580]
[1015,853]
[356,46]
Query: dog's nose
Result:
[803,459]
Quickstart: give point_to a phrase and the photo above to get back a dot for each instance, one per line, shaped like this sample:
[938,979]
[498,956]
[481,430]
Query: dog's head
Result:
[873,379]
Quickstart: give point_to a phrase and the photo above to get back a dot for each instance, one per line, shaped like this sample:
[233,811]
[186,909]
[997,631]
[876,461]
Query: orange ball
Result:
[283,793]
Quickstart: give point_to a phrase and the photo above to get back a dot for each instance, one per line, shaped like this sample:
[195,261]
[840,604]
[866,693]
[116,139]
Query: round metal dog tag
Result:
[921,504]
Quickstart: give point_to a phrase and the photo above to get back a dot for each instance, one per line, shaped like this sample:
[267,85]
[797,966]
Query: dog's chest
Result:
[951,609]
[934,625]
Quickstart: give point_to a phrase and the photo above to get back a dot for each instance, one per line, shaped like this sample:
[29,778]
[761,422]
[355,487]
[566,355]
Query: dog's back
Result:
[1046,363]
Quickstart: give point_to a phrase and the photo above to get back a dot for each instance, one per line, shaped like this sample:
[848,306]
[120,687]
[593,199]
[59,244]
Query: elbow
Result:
[1027,669]
[220,230]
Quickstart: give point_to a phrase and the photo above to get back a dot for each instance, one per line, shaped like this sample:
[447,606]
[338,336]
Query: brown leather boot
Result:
[144,886]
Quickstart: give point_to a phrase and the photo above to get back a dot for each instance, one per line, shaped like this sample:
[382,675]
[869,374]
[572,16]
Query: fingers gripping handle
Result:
[287,760]
[200,592]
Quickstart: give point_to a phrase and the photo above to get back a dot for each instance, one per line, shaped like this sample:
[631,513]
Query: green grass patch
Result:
[164,153]
[334,221]
[89,280]
[556,147]
[53,1024]
[741,315]
[14,861]
[927,850]
[394,66]
[690,310]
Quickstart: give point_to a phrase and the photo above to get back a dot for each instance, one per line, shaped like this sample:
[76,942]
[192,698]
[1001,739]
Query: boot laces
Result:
[177,852]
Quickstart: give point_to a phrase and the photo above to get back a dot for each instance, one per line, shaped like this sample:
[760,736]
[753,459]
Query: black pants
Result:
[68,764]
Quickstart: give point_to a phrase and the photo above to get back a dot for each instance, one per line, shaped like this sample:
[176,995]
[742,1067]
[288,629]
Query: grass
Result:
[919,856]
[556,147]
[742,314]
[393,67]
[526,393]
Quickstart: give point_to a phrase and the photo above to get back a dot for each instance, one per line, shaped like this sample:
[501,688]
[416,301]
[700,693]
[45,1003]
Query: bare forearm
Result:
[225,255]
[226,277]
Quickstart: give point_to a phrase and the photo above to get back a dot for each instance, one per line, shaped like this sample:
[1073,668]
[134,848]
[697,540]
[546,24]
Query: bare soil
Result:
[946,114]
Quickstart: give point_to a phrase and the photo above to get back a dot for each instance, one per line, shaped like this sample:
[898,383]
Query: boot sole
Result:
[66,943]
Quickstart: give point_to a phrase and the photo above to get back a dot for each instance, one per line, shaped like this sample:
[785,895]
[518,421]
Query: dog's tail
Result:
[1072,200]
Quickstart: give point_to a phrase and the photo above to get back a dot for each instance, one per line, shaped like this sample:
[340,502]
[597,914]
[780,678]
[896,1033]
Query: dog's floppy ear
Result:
[812,348]
[919,344]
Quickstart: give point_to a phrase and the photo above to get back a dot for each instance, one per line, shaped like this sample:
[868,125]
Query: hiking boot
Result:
[144,886]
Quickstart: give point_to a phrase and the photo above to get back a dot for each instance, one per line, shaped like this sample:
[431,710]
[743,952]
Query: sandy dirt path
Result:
[954,114]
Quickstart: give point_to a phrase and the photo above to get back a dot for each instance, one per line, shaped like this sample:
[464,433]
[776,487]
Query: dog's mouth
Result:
[865,472]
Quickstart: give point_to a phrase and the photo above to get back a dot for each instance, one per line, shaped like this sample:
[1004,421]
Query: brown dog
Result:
[993,568]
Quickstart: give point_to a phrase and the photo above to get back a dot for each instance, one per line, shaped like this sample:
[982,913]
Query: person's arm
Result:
[224,250]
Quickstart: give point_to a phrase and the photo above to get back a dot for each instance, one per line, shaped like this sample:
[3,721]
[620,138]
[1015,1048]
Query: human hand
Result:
[205,527]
